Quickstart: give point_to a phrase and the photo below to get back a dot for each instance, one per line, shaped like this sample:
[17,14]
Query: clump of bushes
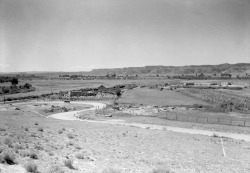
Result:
[32,168]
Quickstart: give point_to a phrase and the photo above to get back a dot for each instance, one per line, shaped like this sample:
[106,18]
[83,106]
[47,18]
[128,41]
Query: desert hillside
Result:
[240,68]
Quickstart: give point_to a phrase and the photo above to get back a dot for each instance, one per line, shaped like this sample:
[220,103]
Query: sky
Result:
[80,35]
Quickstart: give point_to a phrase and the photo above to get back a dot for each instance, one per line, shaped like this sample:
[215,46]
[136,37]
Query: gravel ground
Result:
[92,147]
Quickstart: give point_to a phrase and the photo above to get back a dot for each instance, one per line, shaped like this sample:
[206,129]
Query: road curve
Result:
[96,105]
[71,115]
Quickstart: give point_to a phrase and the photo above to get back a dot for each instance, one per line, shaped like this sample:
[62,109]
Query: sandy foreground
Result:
[115,144]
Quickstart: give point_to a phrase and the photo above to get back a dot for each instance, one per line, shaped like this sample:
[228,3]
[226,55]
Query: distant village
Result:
[113,76]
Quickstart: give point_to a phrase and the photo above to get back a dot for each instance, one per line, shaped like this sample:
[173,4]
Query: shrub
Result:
[33,155]
[31,167]
[215,135]
[70,143]
[60,131]
[9,99]
[38,147]
[70,136]
[36,123]
[14,81]
[78,147]
[40,129]
[69,164]
[80,156]
[9,159]
[26,129]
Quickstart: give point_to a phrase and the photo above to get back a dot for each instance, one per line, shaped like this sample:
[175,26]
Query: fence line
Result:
[209,120]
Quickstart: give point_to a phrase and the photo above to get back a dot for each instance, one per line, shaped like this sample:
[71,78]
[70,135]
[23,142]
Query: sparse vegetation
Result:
[69,164]
[83,140]
[80,156]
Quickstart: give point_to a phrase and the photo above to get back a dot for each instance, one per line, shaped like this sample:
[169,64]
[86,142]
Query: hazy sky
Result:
[79,35]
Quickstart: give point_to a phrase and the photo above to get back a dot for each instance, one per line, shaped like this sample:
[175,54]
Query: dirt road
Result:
[96,105]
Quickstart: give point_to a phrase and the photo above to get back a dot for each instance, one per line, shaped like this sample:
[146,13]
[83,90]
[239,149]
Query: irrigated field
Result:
[156,97]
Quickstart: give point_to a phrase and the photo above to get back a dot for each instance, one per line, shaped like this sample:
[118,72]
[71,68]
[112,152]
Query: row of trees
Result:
[5,79]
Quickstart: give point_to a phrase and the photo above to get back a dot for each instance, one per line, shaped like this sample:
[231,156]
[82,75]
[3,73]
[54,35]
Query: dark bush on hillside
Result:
[27,85]
[8,159]
[14,81]
[9,99]
[118,93]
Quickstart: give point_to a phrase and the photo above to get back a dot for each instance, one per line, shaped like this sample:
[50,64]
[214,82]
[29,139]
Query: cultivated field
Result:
[49,86]
[156,97]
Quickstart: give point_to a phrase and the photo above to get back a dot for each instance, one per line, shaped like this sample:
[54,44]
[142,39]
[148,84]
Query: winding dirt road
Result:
[97,105]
